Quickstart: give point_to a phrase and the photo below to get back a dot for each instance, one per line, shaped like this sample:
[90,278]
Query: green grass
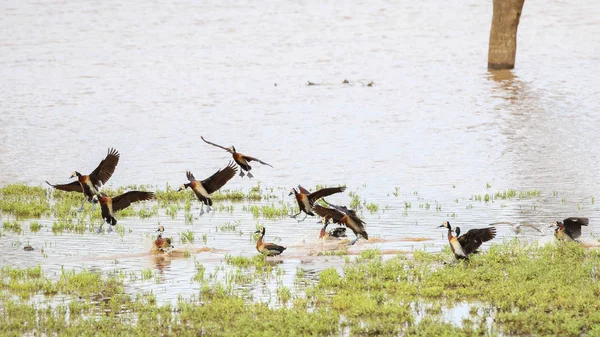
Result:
[187,236]
[520,289]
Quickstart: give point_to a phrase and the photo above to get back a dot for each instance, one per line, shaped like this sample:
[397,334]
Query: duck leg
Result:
[100,228]
[250,175]
[354,241]
[295,215]
[82,203]
[305,215]
[208,209]
[242,173]
[110,229]
[201,209]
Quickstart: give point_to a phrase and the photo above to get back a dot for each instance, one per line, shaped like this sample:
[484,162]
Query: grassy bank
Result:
[513,289]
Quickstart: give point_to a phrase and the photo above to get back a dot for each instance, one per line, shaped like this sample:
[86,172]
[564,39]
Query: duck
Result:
[345,216]
[203,189]
[268,249]
[517,227]
[570,228]
[336,233]
[111,205]
[464,245]
[90,184]
[240,159]
[306,199]
[162,244]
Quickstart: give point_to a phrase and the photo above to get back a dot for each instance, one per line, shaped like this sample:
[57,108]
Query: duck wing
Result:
[105,169]
[74,186]
[124,200]
[472,240]
[248,158]
[329,213]
[314,196]
[219,178]
[573,226]
[217,145]
[189,176]
[303,190]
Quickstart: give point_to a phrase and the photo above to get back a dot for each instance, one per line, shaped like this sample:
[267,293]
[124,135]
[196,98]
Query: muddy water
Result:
[150,79]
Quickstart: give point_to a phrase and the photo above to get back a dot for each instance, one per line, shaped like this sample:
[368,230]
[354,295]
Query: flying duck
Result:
[240,159]
[90,184]
[203,189]
[345,216]
[306,199]
[111,205]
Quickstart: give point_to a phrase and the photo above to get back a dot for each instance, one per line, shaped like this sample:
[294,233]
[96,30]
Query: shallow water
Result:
[149,79]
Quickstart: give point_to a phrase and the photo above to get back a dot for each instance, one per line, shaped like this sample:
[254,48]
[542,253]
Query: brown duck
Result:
[111,205]
[162,244]
[336,233]
[464,245]
[268,249]
[90,184]
[203,189]
[345,216]
[306,199]
[240,159]
[570,228]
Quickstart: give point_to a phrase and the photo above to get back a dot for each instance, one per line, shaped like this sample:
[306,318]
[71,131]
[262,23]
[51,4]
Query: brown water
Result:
[149,79]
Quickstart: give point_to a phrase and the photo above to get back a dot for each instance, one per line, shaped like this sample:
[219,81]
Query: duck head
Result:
[75,174]
[183,187]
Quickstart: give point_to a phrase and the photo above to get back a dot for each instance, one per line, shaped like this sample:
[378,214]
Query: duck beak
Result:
[440,226]
[257,232]
[290,193]
[179,189]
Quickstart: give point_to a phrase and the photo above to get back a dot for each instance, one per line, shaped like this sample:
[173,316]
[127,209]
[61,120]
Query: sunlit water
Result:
[435,127]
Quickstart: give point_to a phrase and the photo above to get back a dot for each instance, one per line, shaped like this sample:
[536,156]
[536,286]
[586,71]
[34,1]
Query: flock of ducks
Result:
[462,245]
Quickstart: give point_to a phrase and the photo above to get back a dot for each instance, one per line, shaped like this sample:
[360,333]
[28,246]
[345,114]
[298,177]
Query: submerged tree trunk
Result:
[503,35]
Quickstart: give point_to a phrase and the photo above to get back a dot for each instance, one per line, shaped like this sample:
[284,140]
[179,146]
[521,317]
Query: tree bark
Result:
[503,35]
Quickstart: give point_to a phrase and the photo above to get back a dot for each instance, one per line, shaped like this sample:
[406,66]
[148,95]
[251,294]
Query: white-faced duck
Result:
[345,216]
[162,244]
[570,228]
[111,205]
[334,234]
[464,245]
[203,189]
[90,184]
[241,159]
[268,249]
[306,199]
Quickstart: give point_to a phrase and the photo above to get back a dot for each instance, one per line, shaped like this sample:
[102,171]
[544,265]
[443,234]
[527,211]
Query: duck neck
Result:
[260,240]
[450,233]
[323,232]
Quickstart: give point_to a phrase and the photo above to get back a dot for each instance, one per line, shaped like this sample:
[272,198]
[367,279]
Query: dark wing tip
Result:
[113,152]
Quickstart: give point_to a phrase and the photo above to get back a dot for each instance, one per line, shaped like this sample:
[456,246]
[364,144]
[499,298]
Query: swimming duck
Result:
[307,199]
[203,189]
[343,215]
[269,249]
[336,233]
[111,205]
[240,159]
[162,244]
[570,228]
[90,184]
[464,245]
